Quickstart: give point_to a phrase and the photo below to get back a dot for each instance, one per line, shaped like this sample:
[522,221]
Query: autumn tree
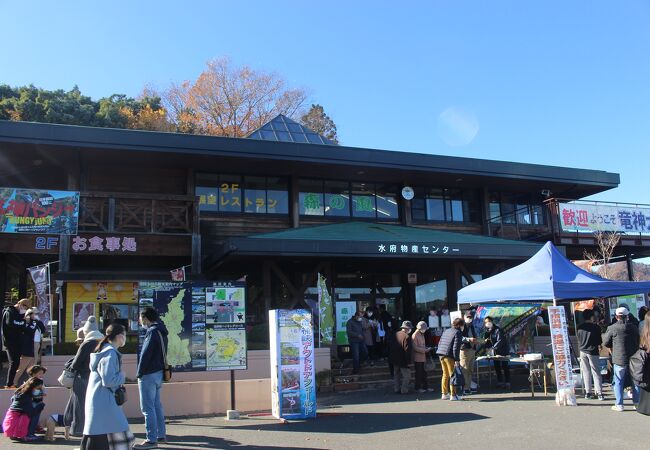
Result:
[229,100]
[316,120]
[606,242]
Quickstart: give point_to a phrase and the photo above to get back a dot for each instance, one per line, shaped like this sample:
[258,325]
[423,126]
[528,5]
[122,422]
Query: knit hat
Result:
[90,325]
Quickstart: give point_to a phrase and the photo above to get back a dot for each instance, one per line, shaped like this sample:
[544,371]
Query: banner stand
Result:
[232,413]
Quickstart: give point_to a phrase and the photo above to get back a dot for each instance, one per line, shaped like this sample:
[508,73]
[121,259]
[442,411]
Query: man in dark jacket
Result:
[354,329]
[623,340]
[150,377]
[589,340]
[468,351]
[449,353]
[400,357]
[13,325]
[496,339]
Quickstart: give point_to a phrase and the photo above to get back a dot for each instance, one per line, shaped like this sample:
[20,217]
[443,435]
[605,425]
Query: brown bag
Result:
[167,369]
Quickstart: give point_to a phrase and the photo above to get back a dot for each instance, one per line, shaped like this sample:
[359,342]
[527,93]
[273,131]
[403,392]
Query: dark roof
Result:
[284,129]
[71,136]
[354,239]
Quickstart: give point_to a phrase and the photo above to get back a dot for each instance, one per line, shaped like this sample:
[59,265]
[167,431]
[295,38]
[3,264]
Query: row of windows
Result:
[343,199]
[510,208]
[270,195]
[236,194]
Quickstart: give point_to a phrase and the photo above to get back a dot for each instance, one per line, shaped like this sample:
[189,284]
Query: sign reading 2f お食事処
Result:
[36,211]
[587,218]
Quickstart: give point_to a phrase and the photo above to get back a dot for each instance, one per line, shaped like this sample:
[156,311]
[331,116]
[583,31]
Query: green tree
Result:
[316,120]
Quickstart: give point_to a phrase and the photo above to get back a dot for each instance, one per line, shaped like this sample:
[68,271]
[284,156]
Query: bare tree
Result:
[606,242]
[230,101]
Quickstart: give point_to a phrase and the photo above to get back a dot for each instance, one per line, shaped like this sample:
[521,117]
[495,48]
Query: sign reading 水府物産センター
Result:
[293,382]
[38,211]
[587,218]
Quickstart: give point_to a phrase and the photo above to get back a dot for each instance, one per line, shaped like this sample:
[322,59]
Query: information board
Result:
[293,383]
[205,320]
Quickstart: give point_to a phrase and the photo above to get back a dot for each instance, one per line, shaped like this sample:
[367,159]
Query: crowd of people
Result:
[93,411]
[374,333]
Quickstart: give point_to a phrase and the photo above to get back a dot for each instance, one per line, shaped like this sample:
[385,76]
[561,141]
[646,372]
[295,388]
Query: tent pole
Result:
[554,301]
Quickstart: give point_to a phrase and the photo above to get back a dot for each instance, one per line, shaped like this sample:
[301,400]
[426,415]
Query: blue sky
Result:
[553,82]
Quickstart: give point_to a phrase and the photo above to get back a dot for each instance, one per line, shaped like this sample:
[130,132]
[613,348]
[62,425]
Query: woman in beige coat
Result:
[420,351]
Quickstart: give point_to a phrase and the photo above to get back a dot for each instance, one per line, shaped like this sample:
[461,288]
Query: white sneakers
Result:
[445,397]
[617,408]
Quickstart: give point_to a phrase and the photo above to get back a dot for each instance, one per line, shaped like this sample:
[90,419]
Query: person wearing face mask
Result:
[106,427]
[369,324]
[449,353]
[496,339]
[420,351]
[73,416]
[13,326]
[468,351]
[354,329]
[26,345]
[400,357]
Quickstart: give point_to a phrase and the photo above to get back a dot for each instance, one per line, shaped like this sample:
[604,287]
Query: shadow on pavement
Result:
[194,442]
[365,423]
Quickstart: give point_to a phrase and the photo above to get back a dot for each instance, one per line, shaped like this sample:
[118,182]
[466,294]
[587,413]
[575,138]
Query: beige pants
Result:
[467,358]
[402,378]
[25,363]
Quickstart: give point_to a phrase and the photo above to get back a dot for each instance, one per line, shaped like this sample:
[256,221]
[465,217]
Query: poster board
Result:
[36,211]
[293,383]
[205,320]
[344,311]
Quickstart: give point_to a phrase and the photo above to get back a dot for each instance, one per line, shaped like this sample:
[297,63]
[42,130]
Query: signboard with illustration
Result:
[37,211]
[516,320]
[205,321]
[587,218]
[293,383]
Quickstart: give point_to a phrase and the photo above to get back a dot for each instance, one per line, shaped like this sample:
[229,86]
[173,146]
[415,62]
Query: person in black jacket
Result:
[623,340]
[13,324]
[496,339]
[589,340]
[449,352]
[150,377]
[23,401]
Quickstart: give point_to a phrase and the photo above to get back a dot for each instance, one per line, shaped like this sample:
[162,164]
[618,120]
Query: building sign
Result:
[293,383]
[561,348]
[419,249]
[587,218]
[109,244]
[205,321]
[38,211]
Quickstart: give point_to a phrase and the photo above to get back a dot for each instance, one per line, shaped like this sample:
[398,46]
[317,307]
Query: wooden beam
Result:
[465,272]
[276,269]
[299,295]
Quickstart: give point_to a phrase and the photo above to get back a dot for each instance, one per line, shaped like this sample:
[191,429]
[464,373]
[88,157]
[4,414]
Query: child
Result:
[23,402]
[38,372]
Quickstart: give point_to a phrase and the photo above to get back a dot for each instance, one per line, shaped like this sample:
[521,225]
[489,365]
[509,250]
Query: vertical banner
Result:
[326,312]
[561,353]
[41,279]
[293,384]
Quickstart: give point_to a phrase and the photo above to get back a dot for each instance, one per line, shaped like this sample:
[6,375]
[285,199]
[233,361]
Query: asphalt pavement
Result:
[383,420]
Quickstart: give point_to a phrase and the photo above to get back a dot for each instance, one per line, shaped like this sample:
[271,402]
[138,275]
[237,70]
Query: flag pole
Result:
[49,296]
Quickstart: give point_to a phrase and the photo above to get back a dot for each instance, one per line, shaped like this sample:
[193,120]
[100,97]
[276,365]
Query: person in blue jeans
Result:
[623,339]
[150,378]
[354,329]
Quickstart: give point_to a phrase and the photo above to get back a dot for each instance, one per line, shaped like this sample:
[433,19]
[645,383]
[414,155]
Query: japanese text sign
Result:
[561,350]
[587,218]
[38,211]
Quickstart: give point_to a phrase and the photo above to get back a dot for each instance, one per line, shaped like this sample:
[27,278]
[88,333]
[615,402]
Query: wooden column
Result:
[454,286]
[630,268]
[485,211]
[266,286]
[196,239]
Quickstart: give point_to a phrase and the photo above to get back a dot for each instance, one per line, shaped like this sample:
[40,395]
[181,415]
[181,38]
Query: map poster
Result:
[293,386]
[205,321]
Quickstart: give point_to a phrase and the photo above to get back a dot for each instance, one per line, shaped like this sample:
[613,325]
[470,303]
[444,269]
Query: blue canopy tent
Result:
[547,276]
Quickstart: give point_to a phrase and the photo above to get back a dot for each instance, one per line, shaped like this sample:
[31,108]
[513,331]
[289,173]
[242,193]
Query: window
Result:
[445,205]
[515,209]
[363,200]
[237,194]
[337,199]
[345,199]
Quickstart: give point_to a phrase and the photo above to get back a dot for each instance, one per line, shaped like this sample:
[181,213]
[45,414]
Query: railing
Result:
[137,213]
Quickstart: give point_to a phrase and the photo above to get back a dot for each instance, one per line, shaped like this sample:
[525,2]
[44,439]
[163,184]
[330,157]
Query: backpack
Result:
[639,368]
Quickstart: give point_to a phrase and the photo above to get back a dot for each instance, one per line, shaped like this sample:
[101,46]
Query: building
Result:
[402,229]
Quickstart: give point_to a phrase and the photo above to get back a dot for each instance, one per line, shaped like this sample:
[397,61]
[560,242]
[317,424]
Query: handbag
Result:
[66,379]
[167,369]
[457,378]
[120,395]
